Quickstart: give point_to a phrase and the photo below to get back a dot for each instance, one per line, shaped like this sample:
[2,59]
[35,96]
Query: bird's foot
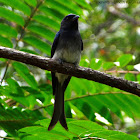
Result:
[75,65]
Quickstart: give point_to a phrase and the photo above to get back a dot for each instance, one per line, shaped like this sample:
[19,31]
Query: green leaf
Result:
[14,87]
[138,78]
[85,108]
[17,4]
[68,110]
[7,30]
[42,31]
[95,64]
[29,51]
[24,72]
[47,21]
[52,13]
[3,59]
[31,2]
[130,67]
[108,65]
[84,4]
[130,76]
[12,119]
[103,104]
[101,109]
[110,101]
[14,91]
[84,62]
[70,4]
[59,7]
[35,92]
[124,59]
[133,103]
[76,86]
[80,129]
[37,43]
[5,42]
[11,16]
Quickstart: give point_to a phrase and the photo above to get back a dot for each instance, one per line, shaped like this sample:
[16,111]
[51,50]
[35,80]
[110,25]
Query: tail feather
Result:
[58,91]
[62,119]
[58,113]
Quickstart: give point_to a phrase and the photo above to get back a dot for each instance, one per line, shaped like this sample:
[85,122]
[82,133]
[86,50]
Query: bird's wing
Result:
[81,44]
[55,43]
[66,82]
[54,46]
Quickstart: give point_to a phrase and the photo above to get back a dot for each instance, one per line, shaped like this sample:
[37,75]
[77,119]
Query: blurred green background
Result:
[110,30]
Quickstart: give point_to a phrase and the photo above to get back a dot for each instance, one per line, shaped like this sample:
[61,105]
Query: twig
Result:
[114,71]
[114,11]
[29,19]
[10,138]
[83,96]
[69,69]
[106,24]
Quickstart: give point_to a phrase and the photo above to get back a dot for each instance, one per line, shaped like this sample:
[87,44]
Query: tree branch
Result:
[69,69]
[131,20]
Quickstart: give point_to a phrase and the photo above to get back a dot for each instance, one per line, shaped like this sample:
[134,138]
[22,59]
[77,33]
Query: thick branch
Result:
[80,72]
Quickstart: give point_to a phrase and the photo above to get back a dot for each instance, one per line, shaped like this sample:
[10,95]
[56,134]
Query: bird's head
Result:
[70,22]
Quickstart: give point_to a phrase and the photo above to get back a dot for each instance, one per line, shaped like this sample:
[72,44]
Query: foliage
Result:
[26,92]
[88,129]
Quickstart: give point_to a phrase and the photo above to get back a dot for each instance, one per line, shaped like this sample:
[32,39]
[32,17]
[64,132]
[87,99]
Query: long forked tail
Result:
[58,113]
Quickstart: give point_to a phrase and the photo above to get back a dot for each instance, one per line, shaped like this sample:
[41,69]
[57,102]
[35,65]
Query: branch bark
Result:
[69,69]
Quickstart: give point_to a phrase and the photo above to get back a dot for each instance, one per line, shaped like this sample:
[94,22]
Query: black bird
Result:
[67,47]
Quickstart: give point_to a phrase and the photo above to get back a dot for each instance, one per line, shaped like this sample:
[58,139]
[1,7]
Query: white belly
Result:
[67,56]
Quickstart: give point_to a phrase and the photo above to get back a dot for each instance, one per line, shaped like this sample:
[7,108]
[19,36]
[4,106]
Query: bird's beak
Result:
[75,17]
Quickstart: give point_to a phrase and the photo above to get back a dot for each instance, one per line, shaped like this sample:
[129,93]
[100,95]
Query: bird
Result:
[67,47]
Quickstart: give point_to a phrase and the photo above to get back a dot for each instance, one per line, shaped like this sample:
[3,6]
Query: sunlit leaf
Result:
[70,4]
[14,91]
[37,43]
[24,72]
[47,21]
[130,76]
[84,4]
[108,65]
[95,64]
[138,78]
[11,16]
[31,2]
[42,31]
[57,6]
[124,59]
[52,13]
[5,42]
[7,30]
[78,130]
[17,4]
[130,67]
